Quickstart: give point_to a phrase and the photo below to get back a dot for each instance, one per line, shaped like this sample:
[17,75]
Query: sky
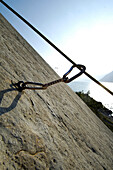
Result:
[82,29]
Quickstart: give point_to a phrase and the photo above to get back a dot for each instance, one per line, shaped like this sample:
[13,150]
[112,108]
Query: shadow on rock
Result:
[14,102]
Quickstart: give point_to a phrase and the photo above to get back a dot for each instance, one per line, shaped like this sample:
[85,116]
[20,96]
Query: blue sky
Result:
[82,29]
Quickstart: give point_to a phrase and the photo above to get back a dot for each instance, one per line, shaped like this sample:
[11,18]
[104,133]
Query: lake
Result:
[96,92]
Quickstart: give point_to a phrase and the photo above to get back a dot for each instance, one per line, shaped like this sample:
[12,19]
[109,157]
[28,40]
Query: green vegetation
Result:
[102,112]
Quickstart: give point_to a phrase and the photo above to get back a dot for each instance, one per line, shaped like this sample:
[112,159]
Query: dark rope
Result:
[49,42]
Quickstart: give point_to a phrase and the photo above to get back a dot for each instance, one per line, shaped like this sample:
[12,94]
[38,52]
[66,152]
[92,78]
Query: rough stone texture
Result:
[45,130]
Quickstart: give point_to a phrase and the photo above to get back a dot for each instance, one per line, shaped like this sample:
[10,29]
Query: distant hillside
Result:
[108,77]
[102,112]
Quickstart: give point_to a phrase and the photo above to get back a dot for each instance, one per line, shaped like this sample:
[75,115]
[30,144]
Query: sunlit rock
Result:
[45,129]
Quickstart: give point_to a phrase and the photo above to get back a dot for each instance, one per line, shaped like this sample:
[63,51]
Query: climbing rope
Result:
[20,86]
[56,48]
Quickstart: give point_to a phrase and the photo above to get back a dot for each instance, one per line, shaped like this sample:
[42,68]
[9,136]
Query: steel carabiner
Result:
[82,69]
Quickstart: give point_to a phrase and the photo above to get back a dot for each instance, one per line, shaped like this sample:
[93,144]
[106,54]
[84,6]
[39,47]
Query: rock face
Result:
[45,129]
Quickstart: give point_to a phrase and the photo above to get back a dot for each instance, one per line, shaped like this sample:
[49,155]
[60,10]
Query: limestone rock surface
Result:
[45,129]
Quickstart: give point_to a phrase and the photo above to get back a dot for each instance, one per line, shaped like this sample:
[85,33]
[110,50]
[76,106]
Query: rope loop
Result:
[20,86]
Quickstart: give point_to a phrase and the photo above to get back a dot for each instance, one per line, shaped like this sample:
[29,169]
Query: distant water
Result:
[99,94]
[77,86]
[96,92]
